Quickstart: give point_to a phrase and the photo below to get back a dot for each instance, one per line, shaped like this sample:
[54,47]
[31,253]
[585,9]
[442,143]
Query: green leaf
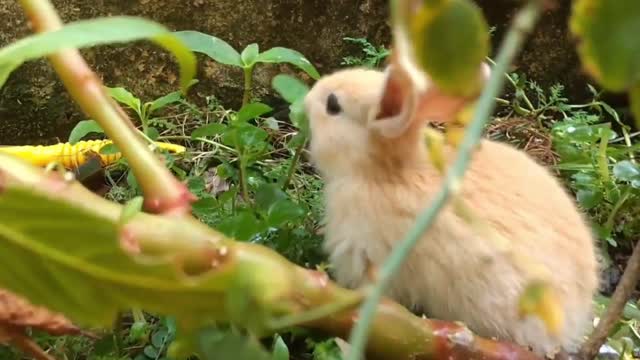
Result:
[589,198]
[293,91]
[92,278]
[208,130]
[109,149]
[159,338]
[123,96]
[168,99]
[138,331]
[290,88]
[298,116]
[216,344]
[284,55]
[625,170]
[269,194]
[242,226]
[93,32]
[250,54]
[153,133]
[609,48]
[82,129]
[205,205]
[283,211]
[252,111]
[246,136]
[450,41]
[280,349]
[132,208]
[217,49]
[151,352]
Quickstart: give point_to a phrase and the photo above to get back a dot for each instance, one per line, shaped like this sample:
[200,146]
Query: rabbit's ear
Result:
[433,105]
[392,114]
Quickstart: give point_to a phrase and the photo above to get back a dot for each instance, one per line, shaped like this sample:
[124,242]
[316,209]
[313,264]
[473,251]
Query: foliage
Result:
[260,196]
[372,56]
[608,50]
[222,52]
[86,33]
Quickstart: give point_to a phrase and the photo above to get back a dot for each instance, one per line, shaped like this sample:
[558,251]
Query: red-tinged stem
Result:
[163,192]
[278,286]
[396,333]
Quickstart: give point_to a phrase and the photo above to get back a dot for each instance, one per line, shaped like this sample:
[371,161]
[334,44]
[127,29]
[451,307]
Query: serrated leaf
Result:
[252,111]
[82,129]
[217,49]
[209,130]
[98,31]
[451,40]
[250,54]
[284,55]
[625,170]
[609,48]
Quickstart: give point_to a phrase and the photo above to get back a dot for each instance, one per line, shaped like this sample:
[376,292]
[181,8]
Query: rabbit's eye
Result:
[333,106]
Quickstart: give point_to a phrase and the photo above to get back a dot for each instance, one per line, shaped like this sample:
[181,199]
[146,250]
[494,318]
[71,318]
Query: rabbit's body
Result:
[374,195]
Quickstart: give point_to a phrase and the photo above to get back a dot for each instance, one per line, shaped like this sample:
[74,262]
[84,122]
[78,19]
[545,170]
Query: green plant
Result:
[371,56]
[164,260]
[222,52]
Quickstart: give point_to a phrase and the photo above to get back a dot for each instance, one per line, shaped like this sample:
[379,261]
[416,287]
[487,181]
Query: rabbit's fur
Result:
[376,184]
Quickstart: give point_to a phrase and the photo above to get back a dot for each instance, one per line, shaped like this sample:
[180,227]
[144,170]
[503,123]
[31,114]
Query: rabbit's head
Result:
[367,122]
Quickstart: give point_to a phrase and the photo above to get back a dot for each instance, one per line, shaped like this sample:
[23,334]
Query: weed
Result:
[371,56]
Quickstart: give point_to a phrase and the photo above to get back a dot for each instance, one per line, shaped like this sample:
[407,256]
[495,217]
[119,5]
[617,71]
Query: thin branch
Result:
[621,295]
[523,24]
[163,192]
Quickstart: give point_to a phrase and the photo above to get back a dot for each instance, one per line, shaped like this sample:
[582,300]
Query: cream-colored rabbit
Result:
[378,178]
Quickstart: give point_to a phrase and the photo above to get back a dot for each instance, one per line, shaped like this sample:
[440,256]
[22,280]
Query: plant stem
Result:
[623,292]
[523,24]
[242,173]
[248,80]
[294,163]
[163,193]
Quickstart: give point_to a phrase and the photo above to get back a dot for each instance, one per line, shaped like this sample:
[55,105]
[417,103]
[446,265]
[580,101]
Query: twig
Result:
[163,192]
[623,292]
[523,24]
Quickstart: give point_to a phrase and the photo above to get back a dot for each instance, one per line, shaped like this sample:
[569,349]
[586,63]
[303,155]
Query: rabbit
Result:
[378,177]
